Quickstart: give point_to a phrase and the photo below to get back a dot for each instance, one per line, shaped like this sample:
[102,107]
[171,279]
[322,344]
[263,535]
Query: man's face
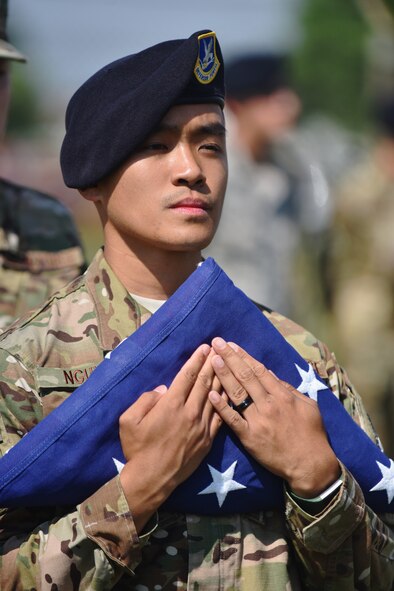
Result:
[169,195]
[5,94]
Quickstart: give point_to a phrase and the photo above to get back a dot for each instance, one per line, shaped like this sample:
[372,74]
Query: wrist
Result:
[316,505]
[324,495]
[316,481]
[144,496]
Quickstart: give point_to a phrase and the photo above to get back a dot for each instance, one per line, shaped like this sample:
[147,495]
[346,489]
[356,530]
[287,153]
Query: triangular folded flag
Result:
[76,449]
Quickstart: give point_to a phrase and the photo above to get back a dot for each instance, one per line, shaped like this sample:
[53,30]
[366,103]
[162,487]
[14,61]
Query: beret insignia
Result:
[207,64]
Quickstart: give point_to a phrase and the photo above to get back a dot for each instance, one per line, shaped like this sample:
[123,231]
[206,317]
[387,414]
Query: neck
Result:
[155,275]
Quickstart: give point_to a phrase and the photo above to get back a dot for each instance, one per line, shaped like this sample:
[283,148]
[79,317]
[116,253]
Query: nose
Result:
[187,169]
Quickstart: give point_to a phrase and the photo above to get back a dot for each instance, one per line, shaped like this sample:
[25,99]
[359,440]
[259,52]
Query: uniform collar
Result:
[118,314]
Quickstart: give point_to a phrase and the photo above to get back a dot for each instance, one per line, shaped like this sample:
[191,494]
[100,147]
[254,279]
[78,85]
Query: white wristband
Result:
[326,493]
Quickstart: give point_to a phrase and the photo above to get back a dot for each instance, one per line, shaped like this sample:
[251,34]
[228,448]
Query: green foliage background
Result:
[329,68]
[24,116]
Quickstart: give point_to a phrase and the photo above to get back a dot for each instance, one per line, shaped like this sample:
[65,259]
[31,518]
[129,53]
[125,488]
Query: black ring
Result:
[244,404]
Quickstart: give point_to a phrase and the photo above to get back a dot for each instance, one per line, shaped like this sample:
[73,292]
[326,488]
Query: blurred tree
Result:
[329,66]
[24,117]
[390,5]
[379,15]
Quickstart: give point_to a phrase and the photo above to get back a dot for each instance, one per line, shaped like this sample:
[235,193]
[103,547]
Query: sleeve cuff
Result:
[334,524]
[108,522]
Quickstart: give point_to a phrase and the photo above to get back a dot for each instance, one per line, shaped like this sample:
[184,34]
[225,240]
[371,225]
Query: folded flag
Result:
[76,449]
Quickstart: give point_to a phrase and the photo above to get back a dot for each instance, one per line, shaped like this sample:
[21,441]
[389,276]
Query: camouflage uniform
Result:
[362,284]
[39,249]
[95,545]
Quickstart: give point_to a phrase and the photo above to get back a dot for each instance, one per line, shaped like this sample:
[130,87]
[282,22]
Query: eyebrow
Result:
[216,129]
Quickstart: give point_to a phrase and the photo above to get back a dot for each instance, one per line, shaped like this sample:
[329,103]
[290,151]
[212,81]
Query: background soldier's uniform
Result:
[40,249]
[362,283]
[95,546]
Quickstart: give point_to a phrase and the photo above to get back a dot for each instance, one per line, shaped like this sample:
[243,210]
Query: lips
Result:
[192,204]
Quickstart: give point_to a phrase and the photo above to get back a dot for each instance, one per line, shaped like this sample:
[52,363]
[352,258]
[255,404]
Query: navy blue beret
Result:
[256,74]
[115,110]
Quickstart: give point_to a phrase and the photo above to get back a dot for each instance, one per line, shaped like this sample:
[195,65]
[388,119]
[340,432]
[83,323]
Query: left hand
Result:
[282,429]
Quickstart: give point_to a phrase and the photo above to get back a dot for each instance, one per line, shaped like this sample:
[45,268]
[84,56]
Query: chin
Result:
[190,243]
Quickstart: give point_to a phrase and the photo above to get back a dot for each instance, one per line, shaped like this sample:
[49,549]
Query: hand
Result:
[165,435]
[282,429]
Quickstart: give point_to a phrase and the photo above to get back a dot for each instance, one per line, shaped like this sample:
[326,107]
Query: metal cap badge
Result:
[207,64]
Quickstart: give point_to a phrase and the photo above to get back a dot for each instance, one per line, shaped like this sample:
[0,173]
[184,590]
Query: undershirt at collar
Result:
[148,303]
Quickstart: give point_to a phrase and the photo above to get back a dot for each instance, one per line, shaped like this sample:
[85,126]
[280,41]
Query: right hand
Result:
[165,435]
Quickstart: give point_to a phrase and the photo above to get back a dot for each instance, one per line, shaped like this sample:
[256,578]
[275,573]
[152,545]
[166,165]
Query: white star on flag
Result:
[310,385]
[387,481]
[222,483]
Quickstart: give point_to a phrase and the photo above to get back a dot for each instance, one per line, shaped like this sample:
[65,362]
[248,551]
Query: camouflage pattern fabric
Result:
[362,286]
[40,250]
[95,545]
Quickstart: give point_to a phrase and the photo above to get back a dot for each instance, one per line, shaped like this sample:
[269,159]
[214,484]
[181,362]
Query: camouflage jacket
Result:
[40,249]
[95,545]
[361,275]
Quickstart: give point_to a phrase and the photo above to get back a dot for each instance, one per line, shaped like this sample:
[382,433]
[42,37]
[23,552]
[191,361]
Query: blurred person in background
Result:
[40,249]
[276,200]
[361,273]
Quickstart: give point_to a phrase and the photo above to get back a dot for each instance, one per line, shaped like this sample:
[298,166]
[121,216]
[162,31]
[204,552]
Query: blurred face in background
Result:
[5,95]
[262,119]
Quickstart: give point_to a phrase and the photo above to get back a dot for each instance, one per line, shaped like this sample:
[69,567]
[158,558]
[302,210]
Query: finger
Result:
[235,391]
[231,417]
[162,389]
[141,407]
[265,376]
[216,385]
[237,377]
[186,377]
[256,379]
[199,394]
[216,421]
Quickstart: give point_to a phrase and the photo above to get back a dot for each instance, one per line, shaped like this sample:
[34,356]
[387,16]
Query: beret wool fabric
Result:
[118,107]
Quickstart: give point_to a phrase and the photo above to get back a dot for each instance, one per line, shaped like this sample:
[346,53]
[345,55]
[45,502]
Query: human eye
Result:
[154,147]
[212,146]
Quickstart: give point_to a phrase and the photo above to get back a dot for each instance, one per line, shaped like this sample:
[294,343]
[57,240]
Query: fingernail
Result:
[205,349]
[217,361]
[162,389]
[219,343]
[214,396]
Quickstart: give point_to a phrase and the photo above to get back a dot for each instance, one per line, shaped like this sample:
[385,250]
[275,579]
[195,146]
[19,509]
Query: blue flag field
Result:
[76,449]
